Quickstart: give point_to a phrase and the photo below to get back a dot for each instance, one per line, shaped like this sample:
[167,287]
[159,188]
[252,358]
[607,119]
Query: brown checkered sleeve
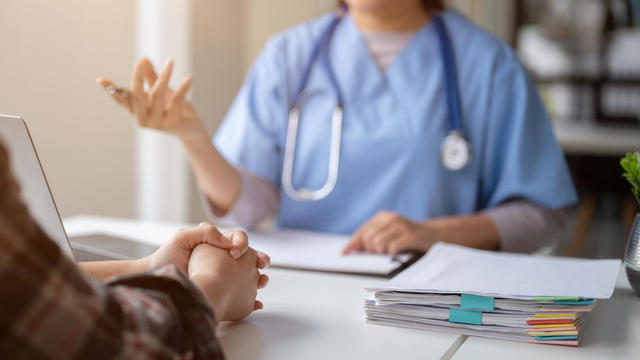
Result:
[50,310]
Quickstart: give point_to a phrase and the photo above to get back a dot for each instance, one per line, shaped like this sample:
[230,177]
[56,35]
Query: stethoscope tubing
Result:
[453,110]
[451,76]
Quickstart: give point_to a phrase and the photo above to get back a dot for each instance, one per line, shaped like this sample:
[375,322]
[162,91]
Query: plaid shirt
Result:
[50,310]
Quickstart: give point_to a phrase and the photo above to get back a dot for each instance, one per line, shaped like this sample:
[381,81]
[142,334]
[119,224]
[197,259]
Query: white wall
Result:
[52,53]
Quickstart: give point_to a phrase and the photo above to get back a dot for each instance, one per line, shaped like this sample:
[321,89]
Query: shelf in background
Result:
[592,139]
[586,79]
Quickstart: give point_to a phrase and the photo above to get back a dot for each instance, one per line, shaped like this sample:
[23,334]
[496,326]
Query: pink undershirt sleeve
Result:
[525,226]
[258,201]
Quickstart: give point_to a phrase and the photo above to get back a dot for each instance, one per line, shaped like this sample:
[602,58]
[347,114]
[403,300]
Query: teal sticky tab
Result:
[580,302]
[465,316]
[476,302]
[551,338]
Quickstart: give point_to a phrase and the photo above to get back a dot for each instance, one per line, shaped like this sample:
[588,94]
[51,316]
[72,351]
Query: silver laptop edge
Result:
[4,118]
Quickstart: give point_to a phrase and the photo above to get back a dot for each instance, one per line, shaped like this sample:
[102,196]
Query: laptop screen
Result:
[34,187]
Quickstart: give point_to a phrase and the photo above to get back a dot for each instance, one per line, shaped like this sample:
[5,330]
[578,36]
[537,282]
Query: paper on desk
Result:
[455,269]
[319,251]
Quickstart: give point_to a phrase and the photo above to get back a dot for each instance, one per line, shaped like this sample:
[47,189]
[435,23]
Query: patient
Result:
[146,308]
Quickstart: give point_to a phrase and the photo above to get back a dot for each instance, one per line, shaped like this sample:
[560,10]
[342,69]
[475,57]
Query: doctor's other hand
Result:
[230,285]
[178,249]
[159,107]
[390,233]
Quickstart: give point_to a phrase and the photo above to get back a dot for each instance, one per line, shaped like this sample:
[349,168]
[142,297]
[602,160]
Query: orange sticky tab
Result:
[554,326]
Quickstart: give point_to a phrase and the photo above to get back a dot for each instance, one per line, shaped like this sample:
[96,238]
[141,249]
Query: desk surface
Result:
[307,315]
[310,315]
[319,316]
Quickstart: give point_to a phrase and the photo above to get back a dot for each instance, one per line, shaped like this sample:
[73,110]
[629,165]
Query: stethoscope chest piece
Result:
[455,151]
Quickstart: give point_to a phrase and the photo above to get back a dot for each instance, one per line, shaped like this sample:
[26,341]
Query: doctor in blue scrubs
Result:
[398,122]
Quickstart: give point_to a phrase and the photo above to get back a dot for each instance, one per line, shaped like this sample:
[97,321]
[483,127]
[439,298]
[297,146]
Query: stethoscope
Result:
[455,151]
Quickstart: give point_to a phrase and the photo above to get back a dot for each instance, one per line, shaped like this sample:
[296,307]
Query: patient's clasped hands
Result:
[223,265]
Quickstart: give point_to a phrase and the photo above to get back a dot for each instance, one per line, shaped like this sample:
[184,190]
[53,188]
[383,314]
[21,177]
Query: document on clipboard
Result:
[306,250]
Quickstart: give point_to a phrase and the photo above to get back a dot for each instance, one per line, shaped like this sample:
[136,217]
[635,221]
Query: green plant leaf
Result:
[630,163]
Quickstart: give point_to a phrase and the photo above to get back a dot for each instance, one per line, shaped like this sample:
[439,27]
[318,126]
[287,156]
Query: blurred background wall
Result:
[51,54]
[53,51]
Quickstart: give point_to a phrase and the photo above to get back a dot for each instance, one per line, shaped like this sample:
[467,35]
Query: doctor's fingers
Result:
[354,245]
[150,74]
[139,97]
[365,231]
[379,242]
[121,96]
[408,243]
[375,234]
[176,101]
[157,97]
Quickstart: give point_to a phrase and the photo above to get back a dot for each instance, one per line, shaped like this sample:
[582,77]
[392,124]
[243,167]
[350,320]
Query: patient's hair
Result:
[431,6]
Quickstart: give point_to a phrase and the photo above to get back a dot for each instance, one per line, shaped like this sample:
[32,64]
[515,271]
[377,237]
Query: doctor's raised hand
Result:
[161,108]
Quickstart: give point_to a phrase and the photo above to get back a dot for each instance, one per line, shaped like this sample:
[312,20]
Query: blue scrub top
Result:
[394,124]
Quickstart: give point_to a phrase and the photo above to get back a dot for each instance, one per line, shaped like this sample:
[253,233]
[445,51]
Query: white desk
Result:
[613,332]
[312,315]
[307,315]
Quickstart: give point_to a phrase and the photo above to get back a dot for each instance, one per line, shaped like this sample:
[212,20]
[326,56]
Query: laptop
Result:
[36,193]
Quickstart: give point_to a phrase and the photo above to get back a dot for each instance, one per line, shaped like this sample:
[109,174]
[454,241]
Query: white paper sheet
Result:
[455,269]
[319,251]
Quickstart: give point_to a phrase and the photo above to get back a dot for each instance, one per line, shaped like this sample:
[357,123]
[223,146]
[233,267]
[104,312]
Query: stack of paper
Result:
[498,295]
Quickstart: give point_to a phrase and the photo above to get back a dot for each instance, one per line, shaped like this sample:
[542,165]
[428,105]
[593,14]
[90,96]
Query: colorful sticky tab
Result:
[465,316]
[552,333]
[555,316]
[548,322]
[547,338]
[554,326]
[557,342]
[476,302]
[557,298]
[570,302]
